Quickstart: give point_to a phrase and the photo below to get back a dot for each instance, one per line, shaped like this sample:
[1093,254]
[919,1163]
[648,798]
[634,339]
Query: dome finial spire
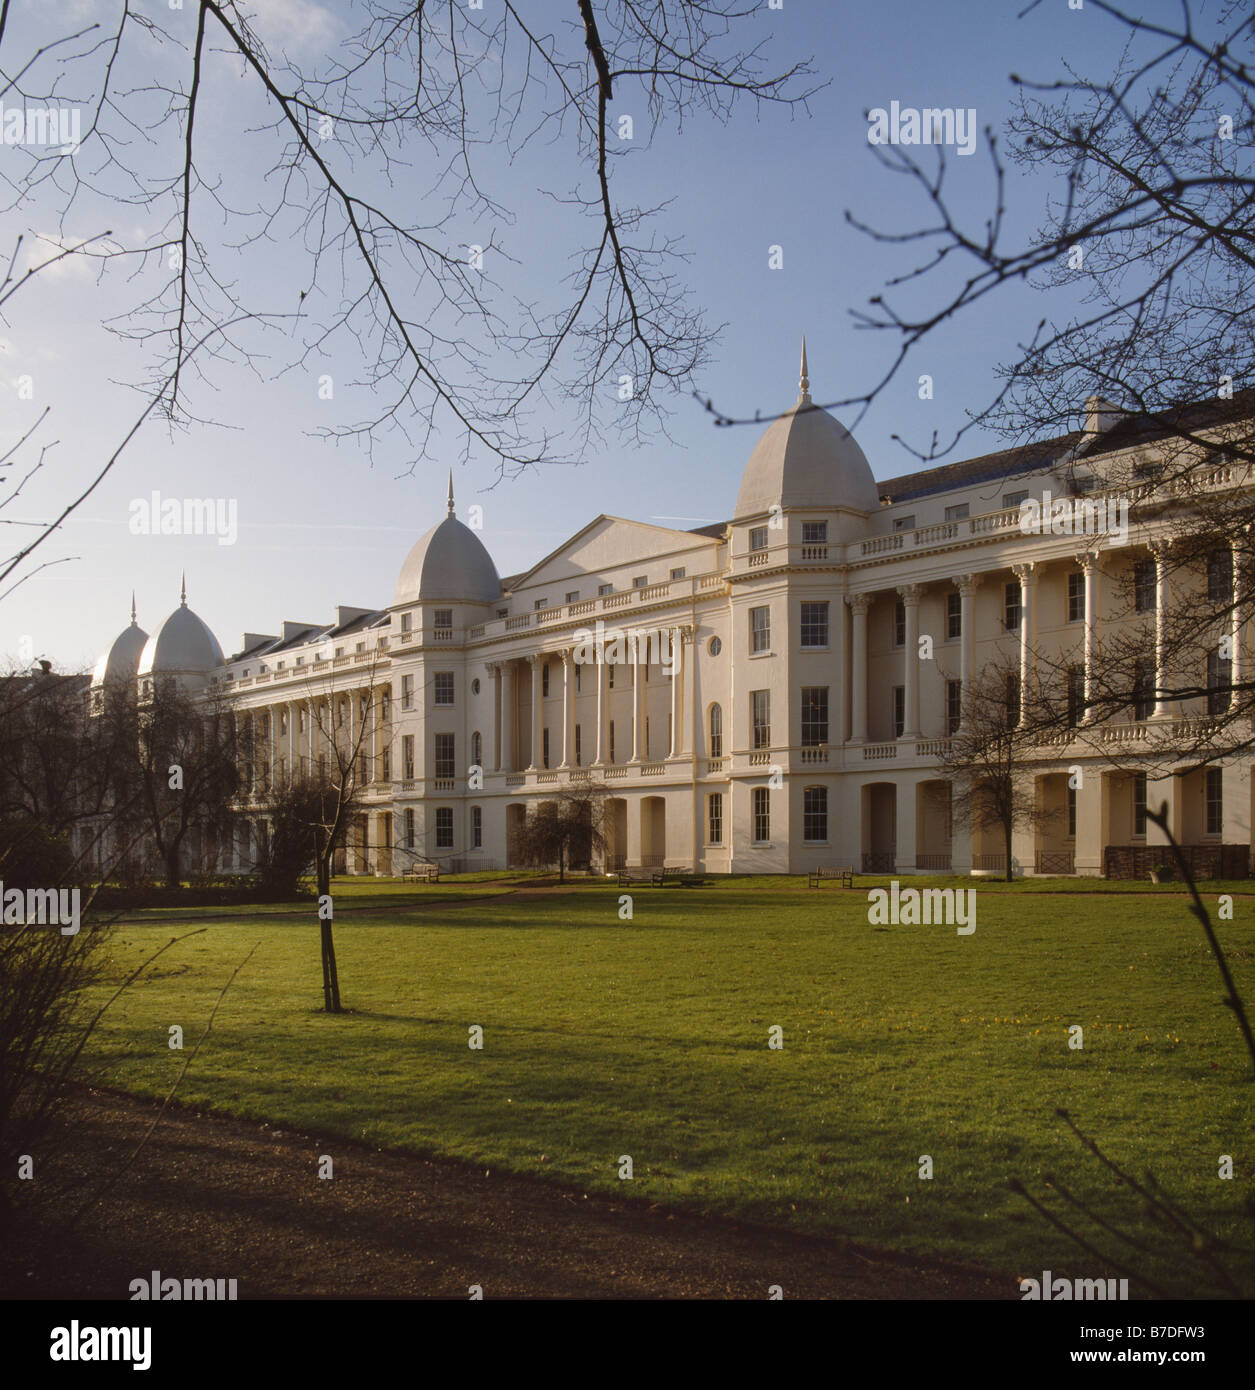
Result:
[804,385]
[133,615]
[183,588]
[450,491]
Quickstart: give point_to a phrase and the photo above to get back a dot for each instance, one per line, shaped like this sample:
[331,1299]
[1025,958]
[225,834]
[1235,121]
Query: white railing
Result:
[874,752]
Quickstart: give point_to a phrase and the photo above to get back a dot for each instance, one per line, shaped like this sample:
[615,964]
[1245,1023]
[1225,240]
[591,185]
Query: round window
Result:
[714,646]
[475,686]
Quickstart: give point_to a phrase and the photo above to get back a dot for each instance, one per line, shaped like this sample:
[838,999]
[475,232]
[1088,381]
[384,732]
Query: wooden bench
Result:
[652,877]
[686,878]
[845,872]
[422,873]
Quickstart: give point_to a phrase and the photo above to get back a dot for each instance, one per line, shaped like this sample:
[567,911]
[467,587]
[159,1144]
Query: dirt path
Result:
[213,1197]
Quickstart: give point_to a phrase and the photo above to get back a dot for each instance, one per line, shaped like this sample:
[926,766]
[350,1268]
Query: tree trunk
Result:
[561,863]
[1006,836]
[330,975]
[172,867]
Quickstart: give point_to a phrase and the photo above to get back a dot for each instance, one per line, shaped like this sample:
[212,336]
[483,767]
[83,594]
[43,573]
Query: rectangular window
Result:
[572,596]
[1011,698]
[443,687]
[760,717]
[604,589]
[1143,690]
[1219,683]
[758,538]
[578,669]
[443,617]
[446,766]
[407,692]
[544,745]
[814,813]
[814,715]
[760,629]
[899,710]
[904,523]
[385,764]
[954,705]
[444,827]
[1139,803]
[544,678]
[578,760]
[814,626]
[762,815]
[503,612]
[539,603]
[612,740]
[1076,598]
[1072,813]
[407,622]
[407,757]
[958,512]
[954,616]
[678,574]
[814,532]
[1215,801]
[899,624]
[1013,499]
[714,818]
[716,731]
[610,670]
[641,581]
[1076,695]
[1011,606]
[409,829]
[1219,576]
[1144,586]
[477,827]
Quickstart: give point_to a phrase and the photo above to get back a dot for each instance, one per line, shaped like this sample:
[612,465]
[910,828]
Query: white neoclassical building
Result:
[785,721]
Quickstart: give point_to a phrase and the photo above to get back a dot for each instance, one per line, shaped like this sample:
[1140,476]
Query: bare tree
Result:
[989,757]
[566,829]
[317,799]
[375,218]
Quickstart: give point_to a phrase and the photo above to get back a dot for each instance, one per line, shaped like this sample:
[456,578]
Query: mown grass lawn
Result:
[649,1038]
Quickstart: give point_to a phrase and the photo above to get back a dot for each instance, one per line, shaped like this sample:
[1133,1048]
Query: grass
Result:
[649,1038]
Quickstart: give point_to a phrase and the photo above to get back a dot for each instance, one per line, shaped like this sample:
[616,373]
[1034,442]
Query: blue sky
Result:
[320,525]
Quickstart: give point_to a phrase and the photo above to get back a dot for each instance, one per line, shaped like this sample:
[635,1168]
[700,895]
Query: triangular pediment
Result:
[610,543]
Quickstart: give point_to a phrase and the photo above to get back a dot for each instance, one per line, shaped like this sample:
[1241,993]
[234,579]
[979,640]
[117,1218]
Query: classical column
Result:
[640,671]
[1088,562]
[603,703]
[495,723]
[859,604]
[509,685]
[1238,668]
[966,585]
[568,709]
[1028,582]
[677,691]
[909,594]
[1159,549]
[536,662]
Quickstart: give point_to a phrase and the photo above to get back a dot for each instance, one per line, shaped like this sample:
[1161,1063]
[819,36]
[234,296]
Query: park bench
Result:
[653,877]
[845,872]
[686,878]
[422,873]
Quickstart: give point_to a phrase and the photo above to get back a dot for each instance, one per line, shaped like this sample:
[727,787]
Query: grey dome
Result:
[449,562]
[182,644]
[121,662]
[806,458]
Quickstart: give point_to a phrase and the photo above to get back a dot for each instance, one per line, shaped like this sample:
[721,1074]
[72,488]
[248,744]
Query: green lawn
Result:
[649,1038]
